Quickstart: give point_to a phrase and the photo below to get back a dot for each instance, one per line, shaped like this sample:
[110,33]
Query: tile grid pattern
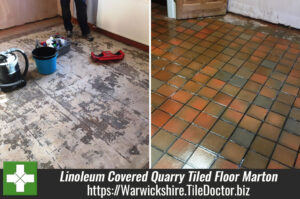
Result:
[240,39]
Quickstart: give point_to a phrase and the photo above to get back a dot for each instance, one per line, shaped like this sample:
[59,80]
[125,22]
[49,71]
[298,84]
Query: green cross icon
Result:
[19,178]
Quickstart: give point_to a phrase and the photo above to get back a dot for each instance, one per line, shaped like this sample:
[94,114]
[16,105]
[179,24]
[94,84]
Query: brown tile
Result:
[239,105]
[276,165]
[159,118]
[290,140]
[281,108]
[193,134]
[198,102]
[175,125]
[268,92]
[223,99]
[223,164]
[232,116]
[182,96]
[252,86]
[250,124]
[204,120]
[215,83]
[214,109]
[195,66]
[199,77]
[285,98]
[201,159]
[187,113]
[154,130]
[246,95]
[209,71]
[181,149]
[177,81]
[297,102]
[163,140]
[269,131]
[171,106]
[156,99]
[257,112]
[261,79]
[263,146]
[284,155]
[255,161]
[192,86]
[230,89]
[166,90]
[223,128]
[275,119]
[297,165]
[289,89]
[207,92]
[168,162]
[233,152]
[295,114]
[163,75]
[187,73]
[213,142]
[173,68]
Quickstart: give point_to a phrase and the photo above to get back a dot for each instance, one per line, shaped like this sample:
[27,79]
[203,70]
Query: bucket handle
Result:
[25,57]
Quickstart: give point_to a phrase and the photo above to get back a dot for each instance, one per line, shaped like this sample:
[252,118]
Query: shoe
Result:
[88,37]
[107,56]
[69,33]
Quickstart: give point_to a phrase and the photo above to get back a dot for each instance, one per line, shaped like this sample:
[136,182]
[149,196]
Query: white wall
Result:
[128,18]
[285,12]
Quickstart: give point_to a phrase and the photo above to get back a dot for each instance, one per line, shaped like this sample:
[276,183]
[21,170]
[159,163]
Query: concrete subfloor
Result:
[85,115]
[225,93]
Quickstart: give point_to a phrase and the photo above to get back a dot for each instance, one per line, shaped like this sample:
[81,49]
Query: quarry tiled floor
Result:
[225,93]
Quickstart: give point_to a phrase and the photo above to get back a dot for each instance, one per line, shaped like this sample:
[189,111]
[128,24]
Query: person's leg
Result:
[81,11]
[66,13]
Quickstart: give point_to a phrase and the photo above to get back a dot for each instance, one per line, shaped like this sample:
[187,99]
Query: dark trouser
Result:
[81,11]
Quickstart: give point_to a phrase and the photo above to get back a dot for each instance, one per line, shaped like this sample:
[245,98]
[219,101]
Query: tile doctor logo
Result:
[20,178]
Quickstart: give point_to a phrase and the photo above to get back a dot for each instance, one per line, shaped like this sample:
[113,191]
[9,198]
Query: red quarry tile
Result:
[187,113]
[195,66]
[180,29]
[156,99]
[201,35]
[173,68]
[268,92]
[166,90]
[154,129]
[275,119]
[163,75]
[159,118]
[223,99]
[198,102]
[215,83]
[223,164]
[239,105]
[175,41]
[209,71]
[194,134]
[202,23]
[207,92]
[258,78]
[182,96]
[183,61]
[205,120]
[290,140]
[292,90]
[199,77]
[269,131]
[192,86]
[175,126]
[158,52]
[232,116]
[177,81]
[171,106]
[170,56]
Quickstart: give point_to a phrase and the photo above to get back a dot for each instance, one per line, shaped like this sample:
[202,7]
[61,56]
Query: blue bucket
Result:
[45,59]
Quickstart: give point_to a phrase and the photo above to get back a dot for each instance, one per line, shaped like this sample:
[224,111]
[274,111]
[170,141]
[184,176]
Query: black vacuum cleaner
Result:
[10,74]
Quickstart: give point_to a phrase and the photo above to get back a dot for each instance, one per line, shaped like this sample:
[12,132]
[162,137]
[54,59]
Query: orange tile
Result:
[187,113]
[193,134]
[206,121]
[171,106]
[159,118]
[175,125]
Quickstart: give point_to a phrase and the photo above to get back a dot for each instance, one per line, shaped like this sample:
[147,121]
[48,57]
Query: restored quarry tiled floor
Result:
[225,93]
[85,115]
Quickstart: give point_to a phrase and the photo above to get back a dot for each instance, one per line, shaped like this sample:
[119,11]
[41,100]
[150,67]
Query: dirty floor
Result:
[225,93]
[85,115]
